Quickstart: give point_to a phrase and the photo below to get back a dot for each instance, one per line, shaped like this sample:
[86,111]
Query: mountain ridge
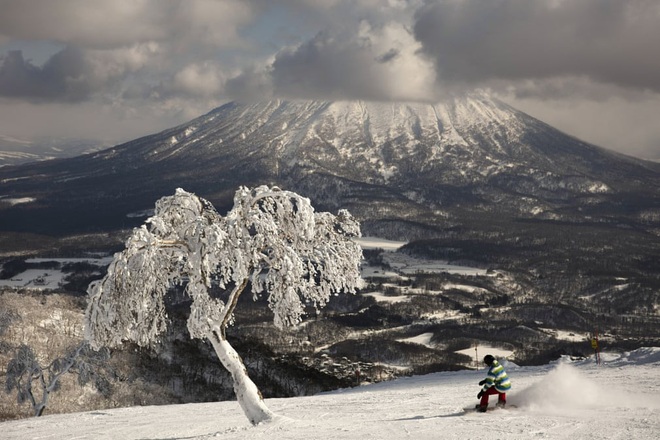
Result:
[472,150]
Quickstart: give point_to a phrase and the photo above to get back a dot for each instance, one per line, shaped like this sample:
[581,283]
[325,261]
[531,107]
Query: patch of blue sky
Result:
[37,52]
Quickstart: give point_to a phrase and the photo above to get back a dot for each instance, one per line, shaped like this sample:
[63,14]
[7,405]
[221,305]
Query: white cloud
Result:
[203,79]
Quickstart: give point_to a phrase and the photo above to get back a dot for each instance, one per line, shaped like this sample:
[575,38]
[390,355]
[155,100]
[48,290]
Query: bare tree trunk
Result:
[53,379]
[247,393]
[39,410]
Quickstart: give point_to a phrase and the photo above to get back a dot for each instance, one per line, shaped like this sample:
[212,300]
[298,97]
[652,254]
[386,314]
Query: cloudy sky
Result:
[116,70]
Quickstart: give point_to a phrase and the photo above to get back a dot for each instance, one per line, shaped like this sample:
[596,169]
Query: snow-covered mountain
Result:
[15,151]
[398,163]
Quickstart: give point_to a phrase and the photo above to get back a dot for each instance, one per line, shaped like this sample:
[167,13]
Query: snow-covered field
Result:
[379,243]
[48,279]
[619,399]
[403,265]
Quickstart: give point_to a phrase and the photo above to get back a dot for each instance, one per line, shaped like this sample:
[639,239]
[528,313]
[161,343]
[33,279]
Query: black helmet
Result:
[488,359]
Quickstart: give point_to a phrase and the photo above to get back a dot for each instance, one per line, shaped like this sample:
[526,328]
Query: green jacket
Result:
[498,378]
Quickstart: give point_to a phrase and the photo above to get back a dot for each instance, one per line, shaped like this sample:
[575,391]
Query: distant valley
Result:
[15,151]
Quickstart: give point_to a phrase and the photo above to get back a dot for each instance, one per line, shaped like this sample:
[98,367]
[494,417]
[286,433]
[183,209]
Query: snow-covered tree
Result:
[272,240]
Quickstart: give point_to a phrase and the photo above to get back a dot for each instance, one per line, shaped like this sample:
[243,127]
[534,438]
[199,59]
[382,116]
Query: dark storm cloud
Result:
[388,56]
[64,77]
[476,41]
[324,67]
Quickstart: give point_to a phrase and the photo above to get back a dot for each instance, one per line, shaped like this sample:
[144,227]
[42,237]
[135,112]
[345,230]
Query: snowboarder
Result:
[496,382]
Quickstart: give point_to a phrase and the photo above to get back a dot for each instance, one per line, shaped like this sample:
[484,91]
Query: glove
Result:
[481,393]
[482,382]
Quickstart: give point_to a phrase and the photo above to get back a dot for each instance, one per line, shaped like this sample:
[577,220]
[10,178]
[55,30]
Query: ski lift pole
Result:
[594,345]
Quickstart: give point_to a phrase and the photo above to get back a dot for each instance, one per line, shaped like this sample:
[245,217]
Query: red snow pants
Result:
[501,397]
